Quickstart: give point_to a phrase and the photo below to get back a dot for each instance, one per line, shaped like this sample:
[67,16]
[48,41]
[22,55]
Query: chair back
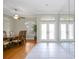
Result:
[4,35]
[22,34]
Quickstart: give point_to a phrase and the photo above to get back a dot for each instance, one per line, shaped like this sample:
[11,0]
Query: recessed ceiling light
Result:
[46,4]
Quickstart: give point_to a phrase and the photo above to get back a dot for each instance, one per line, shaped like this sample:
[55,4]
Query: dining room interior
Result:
[38,29]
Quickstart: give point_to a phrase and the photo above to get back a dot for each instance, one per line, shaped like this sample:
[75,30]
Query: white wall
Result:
[6,25]
[25,24]
[12,25]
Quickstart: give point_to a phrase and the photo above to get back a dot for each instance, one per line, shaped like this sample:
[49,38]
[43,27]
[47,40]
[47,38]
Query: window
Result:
[66,18]
[48,18]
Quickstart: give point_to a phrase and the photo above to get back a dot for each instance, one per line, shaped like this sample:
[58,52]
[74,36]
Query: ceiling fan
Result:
[17,17]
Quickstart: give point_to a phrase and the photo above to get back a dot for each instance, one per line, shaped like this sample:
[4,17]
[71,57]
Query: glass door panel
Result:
[63,32]
[43,31]
[70,31]
[67,32]
[51,31]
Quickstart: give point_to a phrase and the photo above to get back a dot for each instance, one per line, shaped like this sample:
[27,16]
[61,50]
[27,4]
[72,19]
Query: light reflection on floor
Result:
[52,51]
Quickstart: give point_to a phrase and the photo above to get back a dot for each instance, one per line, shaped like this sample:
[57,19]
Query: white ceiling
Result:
[34,7]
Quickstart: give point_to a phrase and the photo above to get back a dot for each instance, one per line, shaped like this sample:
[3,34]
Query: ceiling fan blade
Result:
[22,17]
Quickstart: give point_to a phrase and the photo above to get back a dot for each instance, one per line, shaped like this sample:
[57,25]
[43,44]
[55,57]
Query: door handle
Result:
[47,31]
[67,32]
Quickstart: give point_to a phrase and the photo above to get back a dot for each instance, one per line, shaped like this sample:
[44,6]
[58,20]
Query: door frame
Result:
[39,31]
[57,22]
[67,23]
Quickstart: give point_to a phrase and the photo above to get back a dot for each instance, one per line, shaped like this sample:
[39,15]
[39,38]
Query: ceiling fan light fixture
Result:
[16,16]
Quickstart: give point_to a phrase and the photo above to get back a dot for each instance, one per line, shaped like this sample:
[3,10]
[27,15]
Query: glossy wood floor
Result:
[19,52]
[31,50]
[44,50]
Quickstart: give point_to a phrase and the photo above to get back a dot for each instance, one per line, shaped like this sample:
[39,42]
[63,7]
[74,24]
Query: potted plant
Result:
[35,31]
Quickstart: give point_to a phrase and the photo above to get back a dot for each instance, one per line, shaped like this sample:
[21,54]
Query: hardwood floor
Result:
[49,50]
[19,52]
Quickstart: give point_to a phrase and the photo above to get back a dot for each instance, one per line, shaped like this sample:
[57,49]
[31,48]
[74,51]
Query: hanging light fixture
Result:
[16,16]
